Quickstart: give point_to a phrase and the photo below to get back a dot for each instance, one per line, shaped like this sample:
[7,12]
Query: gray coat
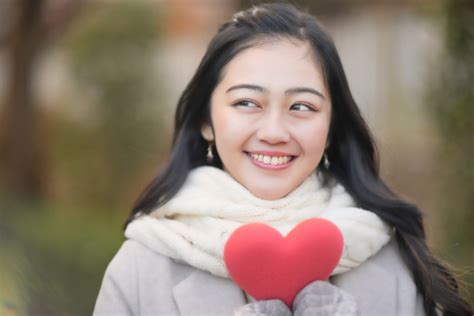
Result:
[139,281]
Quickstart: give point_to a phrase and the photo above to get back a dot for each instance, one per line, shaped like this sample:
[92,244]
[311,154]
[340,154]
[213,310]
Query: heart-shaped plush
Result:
[269,266]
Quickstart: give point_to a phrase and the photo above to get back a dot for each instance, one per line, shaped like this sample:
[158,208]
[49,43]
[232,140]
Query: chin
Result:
[271,195]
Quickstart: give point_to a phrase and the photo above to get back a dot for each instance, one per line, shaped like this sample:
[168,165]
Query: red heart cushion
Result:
[267,265]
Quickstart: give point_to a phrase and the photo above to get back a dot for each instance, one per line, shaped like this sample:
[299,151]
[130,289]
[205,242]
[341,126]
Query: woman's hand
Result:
[321,298]
[318,298]
[264,308]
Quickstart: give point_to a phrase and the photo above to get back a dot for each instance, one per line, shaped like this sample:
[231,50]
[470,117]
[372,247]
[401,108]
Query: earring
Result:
[210,156]
[326,161]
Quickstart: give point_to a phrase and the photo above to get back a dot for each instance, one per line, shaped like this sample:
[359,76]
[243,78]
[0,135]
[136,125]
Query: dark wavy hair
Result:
[352,151]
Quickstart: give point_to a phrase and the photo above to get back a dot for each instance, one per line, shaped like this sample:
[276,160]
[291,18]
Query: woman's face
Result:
[271,105]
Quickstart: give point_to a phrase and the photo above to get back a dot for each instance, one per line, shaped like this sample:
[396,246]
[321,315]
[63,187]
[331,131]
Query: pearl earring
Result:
[326,161]
[210,156]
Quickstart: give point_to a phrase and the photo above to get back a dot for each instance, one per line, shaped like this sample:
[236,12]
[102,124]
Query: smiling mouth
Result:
[271,162]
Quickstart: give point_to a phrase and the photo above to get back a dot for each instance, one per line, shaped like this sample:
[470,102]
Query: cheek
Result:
[313,137]
[229,127]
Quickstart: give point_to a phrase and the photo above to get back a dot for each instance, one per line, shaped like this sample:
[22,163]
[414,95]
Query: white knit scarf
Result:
[195,224]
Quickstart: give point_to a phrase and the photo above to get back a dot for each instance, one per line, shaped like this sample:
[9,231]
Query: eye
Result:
[301,105]
[245,103]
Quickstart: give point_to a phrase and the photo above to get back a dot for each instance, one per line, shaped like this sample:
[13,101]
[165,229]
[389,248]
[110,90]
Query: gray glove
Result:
[321,298]
[273,307]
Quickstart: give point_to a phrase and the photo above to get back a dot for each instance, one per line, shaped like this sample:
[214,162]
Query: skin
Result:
[247,120]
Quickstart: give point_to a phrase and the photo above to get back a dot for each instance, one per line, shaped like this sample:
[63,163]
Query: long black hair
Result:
[352,152]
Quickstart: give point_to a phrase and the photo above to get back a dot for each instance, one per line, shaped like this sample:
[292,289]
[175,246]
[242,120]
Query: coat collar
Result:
[202,293]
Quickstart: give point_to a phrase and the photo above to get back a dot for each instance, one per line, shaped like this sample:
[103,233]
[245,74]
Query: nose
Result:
[273,128]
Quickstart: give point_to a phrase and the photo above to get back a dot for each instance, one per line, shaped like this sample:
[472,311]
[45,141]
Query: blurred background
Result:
[88,90]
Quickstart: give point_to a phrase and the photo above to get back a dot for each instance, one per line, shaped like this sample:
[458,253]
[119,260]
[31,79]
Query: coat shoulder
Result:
[118,291]
[383,285]
[132,250]
[136,279]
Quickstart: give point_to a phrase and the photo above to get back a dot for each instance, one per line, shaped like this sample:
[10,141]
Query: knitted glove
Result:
[321,298]
[273,307]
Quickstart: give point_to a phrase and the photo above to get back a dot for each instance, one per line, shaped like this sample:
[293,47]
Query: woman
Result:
[267,131]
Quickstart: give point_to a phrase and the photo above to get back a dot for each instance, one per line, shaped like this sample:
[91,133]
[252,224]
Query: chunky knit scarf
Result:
[194,225]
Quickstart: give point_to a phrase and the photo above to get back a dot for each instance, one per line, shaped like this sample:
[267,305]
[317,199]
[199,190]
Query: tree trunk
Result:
[21,157]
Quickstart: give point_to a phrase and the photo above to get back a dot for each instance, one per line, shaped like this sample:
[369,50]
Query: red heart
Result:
[267,265]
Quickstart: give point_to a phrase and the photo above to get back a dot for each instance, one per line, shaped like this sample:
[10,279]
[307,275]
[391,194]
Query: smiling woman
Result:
[285,143]
[278,114]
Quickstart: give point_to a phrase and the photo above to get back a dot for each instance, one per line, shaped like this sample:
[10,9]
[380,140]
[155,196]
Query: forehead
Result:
[275,63]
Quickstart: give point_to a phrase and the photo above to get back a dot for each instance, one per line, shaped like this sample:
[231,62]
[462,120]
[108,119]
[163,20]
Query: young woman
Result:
[267,131]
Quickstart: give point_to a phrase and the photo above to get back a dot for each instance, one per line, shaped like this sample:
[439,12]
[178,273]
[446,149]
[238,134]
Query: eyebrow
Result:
[290,91]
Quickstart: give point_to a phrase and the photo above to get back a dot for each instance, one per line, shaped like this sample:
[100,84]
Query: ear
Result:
[206,132]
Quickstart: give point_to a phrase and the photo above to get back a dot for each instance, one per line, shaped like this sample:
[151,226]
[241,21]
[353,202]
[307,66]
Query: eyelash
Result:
[248,101]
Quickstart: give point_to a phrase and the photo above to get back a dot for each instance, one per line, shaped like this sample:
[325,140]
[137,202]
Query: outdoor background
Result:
[87,94]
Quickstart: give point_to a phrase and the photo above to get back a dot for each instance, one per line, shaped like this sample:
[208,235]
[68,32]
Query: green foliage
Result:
[110,50]
[450,99]
[12,292]
[57,254]
[111,46]
[60,257]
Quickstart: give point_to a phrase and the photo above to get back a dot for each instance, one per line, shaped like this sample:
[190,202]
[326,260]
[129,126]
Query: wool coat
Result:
[139,281]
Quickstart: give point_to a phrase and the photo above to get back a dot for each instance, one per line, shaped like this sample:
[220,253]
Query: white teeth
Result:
[271,160]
